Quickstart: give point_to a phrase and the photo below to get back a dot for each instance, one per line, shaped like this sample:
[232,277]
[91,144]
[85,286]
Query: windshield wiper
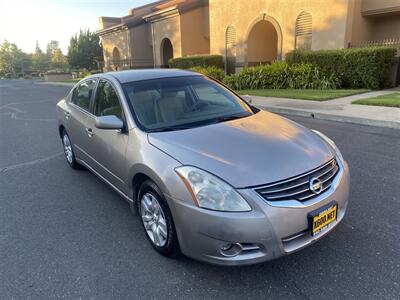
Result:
[200,123]
[171,128]
[231,117]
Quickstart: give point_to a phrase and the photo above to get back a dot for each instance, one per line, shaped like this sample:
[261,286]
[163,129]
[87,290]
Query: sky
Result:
[24,22]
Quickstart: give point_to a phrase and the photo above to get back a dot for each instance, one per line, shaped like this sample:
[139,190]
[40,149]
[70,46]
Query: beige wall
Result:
[202,30]
[134,43]
[119,39]
[370,7]
[141,45]
[329,23]
[362,28]
[167,28]
[359,28]
[141,10]
[386,27]
[105,22]
[195,35]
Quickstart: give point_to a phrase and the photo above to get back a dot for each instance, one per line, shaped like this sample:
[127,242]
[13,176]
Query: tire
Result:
[69,151]
[157,220]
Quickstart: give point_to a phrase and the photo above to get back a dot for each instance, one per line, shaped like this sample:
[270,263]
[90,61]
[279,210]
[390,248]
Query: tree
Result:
[39,60]
[52,46]
[85,50]
[58,59]
[6,60]
[54,55]
[12,60]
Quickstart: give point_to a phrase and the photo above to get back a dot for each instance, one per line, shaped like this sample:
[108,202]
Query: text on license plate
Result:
[324,218]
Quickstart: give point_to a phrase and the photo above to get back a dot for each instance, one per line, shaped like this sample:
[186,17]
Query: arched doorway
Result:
[167,52]
[263,42]
[116,58]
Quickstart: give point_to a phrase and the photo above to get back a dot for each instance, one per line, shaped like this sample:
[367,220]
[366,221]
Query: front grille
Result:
[298,188]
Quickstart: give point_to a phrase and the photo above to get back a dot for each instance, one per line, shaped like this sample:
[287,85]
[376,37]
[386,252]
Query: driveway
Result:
[65,234]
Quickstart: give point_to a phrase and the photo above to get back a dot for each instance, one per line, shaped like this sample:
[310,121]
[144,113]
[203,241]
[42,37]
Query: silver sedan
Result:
[210,175]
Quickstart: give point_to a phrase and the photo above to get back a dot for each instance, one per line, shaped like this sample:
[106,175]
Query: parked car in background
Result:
[209,174]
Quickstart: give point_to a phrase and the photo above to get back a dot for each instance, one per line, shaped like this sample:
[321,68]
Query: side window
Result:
[82,94]
[106,101]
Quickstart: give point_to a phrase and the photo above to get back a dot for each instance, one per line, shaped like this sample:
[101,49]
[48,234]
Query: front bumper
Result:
[267,232]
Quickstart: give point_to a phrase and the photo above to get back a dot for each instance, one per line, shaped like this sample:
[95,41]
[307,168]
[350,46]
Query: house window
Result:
[230,49]
[303,31]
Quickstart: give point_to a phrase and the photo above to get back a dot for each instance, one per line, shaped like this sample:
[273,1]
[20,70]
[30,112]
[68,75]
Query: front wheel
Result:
[157,220]
[69,152]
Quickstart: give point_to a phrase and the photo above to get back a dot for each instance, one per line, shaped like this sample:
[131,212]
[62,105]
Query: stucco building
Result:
[245,32]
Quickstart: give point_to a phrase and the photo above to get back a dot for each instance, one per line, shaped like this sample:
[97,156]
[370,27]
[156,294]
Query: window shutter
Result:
[231,35]
[303,31]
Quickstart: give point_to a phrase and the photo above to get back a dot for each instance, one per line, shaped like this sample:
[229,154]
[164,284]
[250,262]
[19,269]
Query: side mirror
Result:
[109,122]
[248,99]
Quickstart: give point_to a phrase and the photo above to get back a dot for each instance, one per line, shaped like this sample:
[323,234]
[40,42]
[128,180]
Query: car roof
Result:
[147,74]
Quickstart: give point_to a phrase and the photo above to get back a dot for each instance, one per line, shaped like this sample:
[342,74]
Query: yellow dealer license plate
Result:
[321,218]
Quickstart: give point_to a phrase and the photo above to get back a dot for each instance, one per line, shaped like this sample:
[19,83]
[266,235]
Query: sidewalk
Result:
[339,109]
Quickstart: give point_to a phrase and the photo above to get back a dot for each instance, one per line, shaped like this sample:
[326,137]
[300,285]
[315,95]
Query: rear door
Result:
[79,111]
[108,147]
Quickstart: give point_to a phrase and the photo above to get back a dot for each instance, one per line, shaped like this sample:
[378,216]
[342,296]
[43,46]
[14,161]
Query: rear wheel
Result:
[69,151]
[157,220]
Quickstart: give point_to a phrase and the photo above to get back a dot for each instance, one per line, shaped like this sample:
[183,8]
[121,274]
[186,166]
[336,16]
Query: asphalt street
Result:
[65,234]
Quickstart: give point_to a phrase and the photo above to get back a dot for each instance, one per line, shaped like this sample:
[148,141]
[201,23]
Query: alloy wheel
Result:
[153,219]
[67,148]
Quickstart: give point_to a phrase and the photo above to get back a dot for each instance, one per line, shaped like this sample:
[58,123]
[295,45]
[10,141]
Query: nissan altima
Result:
[208,174]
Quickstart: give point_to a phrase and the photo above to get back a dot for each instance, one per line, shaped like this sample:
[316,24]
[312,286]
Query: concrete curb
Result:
[330,117]
[56,83]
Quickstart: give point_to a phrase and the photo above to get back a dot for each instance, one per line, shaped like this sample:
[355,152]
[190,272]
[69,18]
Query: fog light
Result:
[231,250]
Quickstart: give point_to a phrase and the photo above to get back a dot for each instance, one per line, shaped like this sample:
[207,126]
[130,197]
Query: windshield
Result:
[182,102]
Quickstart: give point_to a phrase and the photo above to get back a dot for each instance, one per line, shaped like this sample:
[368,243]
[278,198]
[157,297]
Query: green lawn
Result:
[315,95]
[392,100]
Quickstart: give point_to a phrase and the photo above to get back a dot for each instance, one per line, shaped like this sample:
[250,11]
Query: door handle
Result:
[67,114]
[89,132]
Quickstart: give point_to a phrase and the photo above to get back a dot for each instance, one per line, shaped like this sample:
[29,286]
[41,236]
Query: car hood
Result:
[250,151]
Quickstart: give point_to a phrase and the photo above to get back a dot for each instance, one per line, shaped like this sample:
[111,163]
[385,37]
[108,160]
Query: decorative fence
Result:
[392,42]
[131,63]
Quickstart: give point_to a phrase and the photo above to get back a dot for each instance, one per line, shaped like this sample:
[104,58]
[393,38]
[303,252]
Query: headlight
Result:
[210,192]
[330,142]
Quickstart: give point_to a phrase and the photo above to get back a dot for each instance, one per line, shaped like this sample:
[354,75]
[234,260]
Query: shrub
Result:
[233,82]
[212,71]
[81,73]
[354,68]
[188,62]
[280,75]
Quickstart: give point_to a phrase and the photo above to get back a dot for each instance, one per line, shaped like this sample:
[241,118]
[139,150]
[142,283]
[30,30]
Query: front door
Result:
[107,147]
[77,117]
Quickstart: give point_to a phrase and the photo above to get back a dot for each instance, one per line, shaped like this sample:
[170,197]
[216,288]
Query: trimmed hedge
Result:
[188,62]
[280,75]
[212,71]
[355,68]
